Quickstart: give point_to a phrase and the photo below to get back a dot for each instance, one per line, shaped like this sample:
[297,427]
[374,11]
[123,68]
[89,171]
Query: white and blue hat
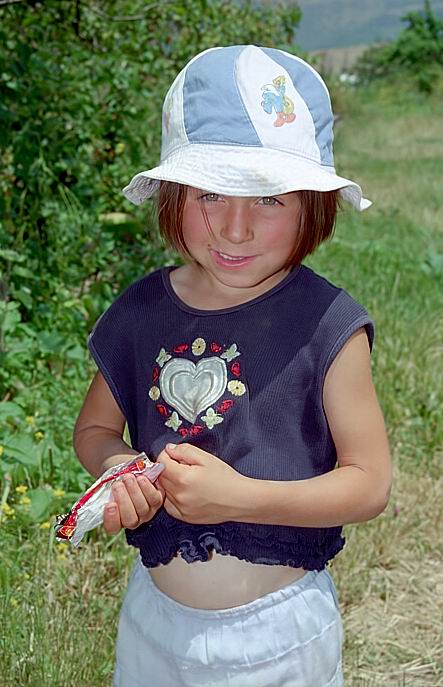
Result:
[247,121]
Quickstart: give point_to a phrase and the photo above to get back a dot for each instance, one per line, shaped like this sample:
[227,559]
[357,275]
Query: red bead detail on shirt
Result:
[235,369]
[224,406]
[155,374]
[162,409]
[195,429]
[181,348]
[183,431]
[215,347]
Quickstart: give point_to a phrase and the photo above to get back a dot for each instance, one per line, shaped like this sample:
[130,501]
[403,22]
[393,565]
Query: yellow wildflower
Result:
[62,551]
[21,489]
[59,492]
[119,148]
[45,525]
[14,602]
[25,500]
[6,509]
[30,419]
[39,435]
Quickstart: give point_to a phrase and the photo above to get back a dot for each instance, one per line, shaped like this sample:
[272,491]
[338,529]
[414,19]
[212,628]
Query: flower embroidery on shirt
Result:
[211,418]
[236,388]
[154,393]
[198,346]
[163,357]
[174,422]
[231,353]
[190,382]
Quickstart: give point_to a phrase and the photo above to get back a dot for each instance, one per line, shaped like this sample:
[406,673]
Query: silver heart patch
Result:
[191,388]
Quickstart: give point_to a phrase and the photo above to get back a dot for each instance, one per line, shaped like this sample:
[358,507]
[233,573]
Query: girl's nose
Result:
[237,227]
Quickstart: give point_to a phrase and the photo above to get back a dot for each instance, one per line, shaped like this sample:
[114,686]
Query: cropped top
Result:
[244,383]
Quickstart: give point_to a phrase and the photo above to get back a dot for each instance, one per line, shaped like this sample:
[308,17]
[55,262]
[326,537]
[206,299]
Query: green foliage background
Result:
[80,104]
[81,91]
[417,52]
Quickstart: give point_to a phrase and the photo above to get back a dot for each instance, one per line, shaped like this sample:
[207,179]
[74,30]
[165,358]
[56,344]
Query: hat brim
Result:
[240,171]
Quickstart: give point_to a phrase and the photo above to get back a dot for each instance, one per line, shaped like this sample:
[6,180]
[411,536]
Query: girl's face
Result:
[241,242]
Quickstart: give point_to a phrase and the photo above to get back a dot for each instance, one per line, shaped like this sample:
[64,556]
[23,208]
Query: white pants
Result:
[288,638]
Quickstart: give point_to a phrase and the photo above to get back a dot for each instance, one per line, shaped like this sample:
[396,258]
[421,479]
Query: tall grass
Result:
[59,607]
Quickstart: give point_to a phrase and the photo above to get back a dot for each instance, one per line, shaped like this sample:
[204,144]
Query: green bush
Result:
[81,91]
[416,53]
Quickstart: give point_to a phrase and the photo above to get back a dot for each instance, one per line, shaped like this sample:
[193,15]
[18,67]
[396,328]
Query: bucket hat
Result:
[247,121]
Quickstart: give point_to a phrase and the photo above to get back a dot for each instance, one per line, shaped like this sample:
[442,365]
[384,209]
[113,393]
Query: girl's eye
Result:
[211,197]
[269,200]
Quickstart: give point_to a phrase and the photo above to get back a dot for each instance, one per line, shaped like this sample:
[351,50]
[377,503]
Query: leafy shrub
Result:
[417,52]
[81,90]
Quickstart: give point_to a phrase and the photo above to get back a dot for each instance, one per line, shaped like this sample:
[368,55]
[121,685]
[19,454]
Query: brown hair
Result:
[317,222]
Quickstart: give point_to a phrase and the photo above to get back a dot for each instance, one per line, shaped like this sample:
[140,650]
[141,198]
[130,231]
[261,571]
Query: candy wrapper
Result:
[87,512]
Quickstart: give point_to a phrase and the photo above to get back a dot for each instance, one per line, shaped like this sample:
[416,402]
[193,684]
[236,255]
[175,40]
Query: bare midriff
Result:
[221,582]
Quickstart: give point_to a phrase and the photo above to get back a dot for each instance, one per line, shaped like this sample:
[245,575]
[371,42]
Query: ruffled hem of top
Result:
[310,549]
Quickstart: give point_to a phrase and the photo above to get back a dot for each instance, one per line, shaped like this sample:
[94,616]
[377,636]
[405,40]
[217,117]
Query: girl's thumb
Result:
[183,453]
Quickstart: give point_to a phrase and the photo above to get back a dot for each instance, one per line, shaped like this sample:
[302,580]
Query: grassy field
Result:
[59,607]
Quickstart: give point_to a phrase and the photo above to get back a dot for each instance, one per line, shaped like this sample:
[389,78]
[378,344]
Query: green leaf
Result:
[11,255]
[50,342]
[9,316]
[23,272]
[23,296]
[10,410]
[76,353]
[23,449]
[41,503]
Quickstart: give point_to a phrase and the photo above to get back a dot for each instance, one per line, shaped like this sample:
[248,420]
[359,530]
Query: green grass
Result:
[59,607]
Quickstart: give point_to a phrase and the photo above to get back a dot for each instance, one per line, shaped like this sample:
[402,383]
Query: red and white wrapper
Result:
[87,512]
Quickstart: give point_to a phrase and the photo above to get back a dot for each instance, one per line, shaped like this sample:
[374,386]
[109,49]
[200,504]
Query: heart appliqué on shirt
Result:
[191,388]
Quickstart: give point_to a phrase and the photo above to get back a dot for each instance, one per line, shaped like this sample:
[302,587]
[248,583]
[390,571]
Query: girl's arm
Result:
[98,443]
[357,490]
[98,432]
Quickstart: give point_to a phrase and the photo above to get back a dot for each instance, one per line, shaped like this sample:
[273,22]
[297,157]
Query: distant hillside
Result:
[329,24]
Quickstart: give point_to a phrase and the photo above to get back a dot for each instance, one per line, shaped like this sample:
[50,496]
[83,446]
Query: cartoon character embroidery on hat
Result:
[278,101]
[187,394]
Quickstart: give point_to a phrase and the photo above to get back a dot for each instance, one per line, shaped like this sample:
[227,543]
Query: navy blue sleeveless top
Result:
[244,383]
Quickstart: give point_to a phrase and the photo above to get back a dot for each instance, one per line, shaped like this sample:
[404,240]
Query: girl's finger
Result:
[111,518]
[142,505]
[128,515]
[154,495]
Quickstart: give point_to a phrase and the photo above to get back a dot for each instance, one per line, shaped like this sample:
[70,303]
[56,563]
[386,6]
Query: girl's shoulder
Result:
[313,280]
[336,312]
[137,299]
[140,294]
[146,286]
[319,286]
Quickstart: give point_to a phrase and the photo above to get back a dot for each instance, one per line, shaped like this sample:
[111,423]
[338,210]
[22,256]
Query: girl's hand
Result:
[200,488]
[136,500]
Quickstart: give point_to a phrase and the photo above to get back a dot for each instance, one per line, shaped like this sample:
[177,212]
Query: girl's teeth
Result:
[229,257]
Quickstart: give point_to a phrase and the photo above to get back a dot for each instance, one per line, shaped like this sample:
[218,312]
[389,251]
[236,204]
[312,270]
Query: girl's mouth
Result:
[226,260]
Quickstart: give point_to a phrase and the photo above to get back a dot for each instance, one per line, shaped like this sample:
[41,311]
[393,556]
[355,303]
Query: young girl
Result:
[248,376]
